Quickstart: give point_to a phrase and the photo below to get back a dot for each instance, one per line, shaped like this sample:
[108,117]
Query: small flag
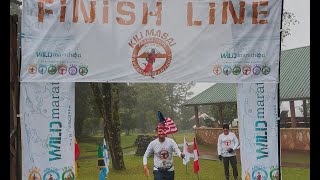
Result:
[196,166]
[105,155]
[186,151]
[172,128]
[76,149]
[169,124]
[101,164]
[76,156]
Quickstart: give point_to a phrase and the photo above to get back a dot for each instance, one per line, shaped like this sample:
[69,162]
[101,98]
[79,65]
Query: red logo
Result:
[227,143]
[151,54]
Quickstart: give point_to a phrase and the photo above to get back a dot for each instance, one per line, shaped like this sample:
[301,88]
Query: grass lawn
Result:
[209,169]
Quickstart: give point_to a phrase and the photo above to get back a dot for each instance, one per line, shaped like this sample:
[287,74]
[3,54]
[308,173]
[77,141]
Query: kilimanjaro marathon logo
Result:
[274,173]
[62,69]
[151,53]
[67,173]
[52,69]
[266,69]
[51,174]
[246,69]
[42,69]
[227,70]
[32,69]
[34,174]
[236,70]
[259,173]
[217,69]
[256,69]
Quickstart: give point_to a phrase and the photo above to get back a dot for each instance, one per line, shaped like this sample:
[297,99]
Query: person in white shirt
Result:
[227,144]
[163,149]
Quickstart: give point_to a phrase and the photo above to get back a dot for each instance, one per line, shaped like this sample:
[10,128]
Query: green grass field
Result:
[209,169]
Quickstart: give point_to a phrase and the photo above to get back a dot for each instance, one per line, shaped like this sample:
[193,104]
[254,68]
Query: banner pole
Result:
[186,168]
[279,135]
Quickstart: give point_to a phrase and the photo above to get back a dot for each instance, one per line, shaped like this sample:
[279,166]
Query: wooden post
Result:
[221,113]
[293,115]
[14,93]
[305,112]
[196,116]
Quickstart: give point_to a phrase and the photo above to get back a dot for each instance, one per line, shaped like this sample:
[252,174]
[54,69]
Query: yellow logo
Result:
[34,174]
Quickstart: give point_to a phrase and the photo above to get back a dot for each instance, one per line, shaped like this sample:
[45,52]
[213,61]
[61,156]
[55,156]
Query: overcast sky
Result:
[300,33]
[300,37]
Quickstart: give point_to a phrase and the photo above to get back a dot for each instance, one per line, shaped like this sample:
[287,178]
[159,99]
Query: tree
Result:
[288,19]
[15,7]
[229,112]
[175,95]
[150,99]
[107,100]
[86,112]
[128,100]
[307,107]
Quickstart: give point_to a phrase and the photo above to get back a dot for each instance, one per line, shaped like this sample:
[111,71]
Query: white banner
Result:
[258,130]
[150,41]
[47,130]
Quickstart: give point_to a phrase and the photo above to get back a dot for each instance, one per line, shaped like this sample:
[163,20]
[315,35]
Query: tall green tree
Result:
[150,99]
[176,94]
[107,99]
[86,113]
[128,101]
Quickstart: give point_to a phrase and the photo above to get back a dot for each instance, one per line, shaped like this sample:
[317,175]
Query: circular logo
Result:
[83,71]
[266,70]
[52,69]
[73,70]
[256,70]
[42,69]
[51,175]
[62,69]
[227,142]
[68,175]
[274,174]
[164,154]
[226,70]
[259,174]
[34,174]
[217,69]
[246,70]
[236,70]
[32,69]
[151,56]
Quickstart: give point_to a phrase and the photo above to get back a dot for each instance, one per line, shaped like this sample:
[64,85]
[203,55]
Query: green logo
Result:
[52,69]
[67,173]
[236,70]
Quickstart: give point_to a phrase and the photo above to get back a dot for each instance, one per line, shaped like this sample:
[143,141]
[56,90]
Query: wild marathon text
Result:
[261,124]
[55,125]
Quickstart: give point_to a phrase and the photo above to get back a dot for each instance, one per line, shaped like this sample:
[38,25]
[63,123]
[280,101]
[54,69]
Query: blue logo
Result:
[50,174]
[73,69]
[256,69]
[227,70]
[259,173]
[42,69]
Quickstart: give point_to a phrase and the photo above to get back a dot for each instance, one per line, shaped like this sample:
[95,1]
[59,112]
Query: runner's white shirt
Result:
[225,142]
[163,152]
